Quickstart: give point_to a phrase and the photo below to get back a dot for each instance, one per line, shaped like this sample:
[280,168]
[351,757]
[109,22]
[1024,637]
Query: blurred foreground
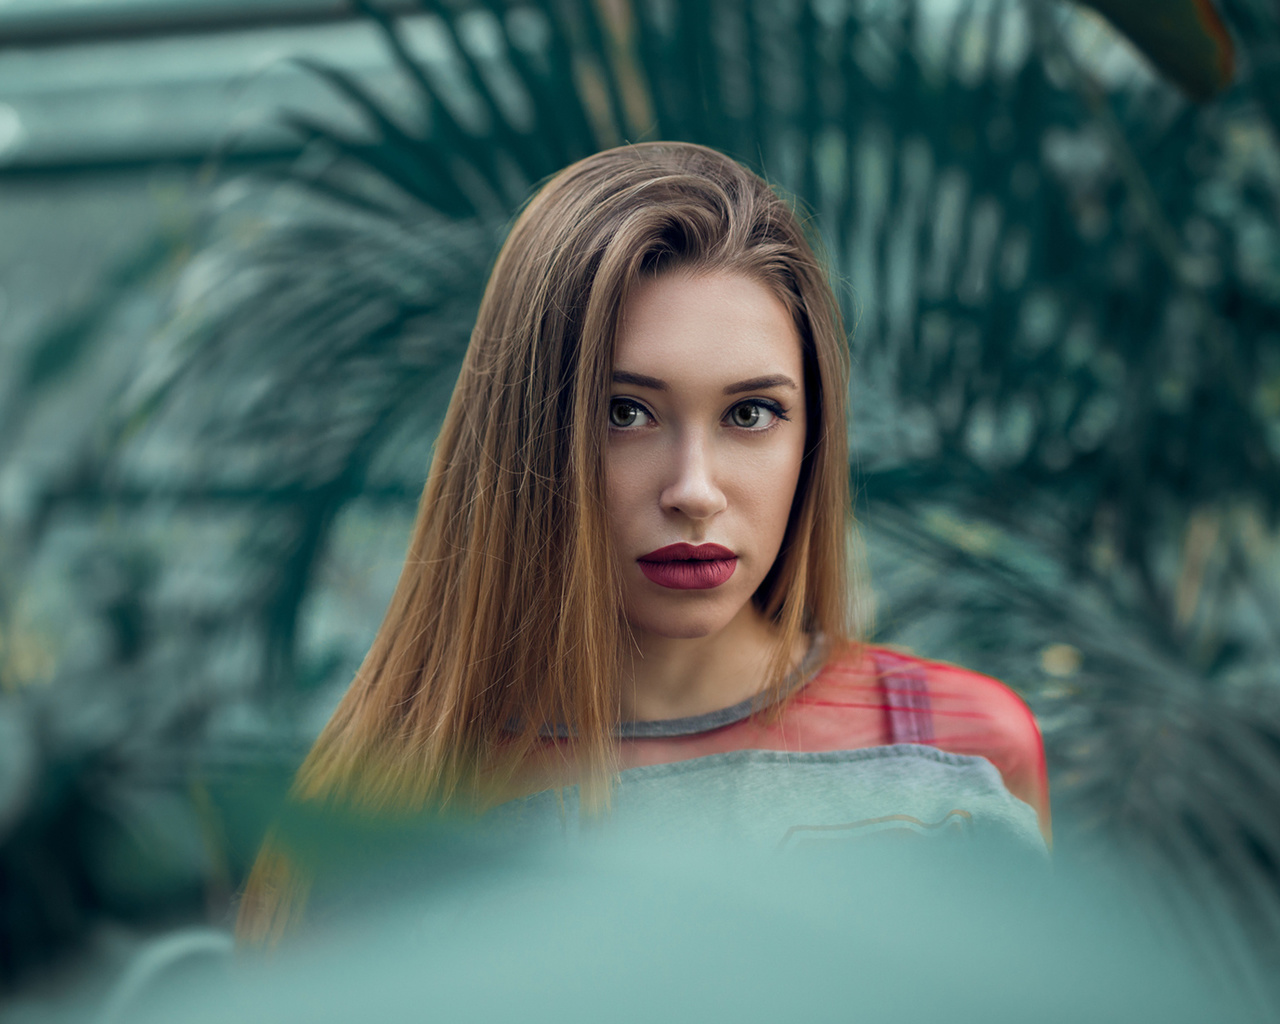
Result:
[458,928]
[237,286]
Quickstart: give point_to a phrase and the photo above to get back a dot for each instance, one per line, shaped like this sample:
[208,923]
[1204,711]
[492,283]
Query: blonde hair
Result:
[482,647]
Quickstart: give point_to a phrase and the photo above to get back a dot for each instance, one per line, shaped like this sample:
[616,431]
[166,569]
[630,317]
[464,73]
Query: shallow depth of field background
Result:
[241,247]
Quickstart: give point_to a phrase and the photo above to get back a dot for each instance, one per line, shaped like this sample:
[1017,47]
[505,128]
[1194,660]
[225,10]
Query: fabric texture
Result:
[867,742]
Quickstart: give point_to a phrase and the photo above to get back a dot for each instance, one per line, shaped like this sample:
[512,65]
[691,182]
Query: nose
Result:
[691,488]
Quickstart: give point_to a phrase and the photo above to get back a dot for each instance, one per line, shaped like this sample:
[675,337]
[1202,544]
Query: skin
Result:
[688,462]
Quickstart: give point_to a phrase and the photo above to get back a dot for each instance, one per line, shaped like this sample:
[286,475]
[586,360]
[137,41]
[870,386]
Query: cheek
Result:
[623,486]
[767,484]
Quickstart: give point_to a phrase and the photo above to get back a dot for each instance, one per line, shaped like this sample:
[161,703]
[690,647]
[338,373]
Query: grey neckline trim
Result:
[694,724]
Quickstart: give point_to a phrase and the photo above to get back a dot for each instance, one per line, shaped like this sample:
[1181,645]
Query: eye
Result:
[755,414]
[624,412]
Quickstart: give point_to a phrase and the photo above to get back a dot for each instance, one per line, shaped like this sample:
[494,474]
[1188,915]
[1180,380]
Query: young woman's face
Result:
[706,438]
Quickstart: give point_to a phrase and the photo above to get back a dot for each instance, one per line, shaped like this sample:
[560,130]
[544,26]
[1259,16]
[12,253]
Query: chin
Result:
[674,625]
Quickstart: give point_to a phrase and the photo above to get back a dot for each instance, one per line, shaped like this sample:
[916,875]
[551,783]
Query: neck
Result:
[664,677]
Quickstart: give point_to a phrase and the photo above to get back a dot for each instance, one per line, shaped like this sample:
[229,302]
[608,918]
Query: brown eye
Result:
[624,414]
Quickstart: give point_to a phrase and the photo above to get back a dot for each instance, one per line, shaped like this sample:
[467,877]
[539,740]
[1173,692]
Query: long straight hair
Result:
[482,646]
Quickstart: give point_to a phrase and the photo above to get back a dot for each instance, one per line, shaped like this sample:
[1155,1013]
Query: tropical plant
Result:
[1067,407]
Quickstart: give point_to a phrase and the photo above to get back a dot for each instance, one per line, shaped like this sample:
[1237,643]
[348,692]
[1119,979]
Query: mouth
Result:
[689,566]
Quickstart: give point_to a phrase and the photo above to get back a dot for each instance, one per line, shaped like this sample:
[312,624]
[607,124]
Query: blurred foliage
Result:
[1065,284]
[694,931]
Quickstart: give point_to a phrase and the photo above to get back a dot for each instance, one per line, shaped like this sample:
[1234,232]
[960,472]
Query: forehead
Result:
[679,326]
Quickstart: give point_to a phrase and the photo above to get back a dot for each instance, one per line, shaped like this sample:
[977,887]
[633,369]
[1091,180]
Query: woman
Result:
[627,579]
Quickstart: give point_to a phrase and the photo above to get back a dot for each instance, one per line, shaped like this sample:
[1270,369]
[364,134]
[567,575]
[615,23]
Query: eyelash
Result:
[779,413]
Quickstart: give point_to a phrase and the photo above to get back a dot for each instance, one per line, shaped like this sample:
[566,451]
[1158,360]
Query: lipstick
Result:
[689,566]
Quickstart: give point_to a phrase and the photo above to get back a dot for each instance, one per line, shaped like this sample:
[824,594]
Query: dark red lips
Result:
[689,566]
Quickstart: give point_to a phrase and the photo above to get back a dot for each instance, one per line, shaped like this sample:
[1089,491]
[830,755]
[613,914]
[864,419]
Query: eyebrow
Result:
[640,380]
[772,380]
